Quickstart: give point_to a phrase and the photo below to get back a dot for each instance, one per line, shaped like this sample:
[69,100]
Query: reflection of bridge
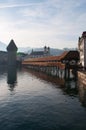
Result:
[48,78]
[56,65]
[69,87]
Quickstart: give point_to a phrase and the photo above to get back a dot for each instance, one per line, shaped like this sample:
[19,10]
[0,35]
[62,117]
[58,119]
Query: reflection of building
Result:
[45,52]
[82,93]
[82,49]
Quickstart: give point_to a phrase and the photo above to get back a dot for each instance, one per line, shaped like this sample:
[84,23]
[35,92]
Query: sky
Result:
[36,23]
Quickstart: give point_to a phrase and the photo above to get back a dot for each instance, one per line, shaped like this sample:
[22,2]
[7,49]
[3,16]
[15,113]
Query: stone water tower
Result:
[12,49]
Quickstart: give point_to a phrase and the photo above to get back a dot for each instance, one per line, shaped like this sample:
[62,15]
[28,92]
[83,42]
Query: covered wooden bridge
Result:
[55,65]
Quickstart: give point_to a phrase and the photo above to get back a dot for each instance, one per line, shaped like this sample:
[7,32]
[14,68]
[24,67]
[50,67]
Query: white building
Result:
[82,49]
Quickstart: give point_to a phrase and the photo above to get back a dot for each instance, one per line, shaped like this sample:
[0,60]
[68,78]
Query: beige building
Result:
[82,49]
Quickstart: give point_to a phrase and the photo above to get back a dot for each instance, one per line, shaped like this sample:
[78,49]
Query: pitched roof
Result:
[71,55]
[12,46]
[37,53]
[67,55]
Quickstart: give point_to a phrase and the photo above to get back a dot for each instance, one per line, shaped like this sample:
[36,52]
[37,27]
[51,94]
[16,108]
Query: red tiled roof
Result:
[53,60]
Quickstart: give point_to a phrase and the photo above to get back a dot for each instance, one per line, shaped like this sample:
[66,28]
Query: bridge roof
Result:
[67,55]
[71,55]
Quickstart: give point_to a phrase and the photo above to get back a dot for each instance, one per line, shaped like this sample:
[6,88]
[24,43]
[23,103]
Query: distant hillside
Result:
[2,46]
[53,51]
[28,50]
[24,49]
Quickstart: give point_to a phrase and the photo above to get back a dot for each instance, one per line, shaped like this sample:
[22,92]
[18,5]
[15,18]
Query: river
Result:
[30,100]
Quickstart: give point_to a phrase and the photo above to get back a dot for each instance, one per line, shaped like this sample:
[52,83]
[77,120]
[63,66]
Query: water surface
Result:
[34,101]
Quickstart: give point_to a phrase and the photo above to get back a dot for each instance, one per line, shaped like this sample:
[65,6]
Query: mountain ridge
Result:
[2,46]
[27,50]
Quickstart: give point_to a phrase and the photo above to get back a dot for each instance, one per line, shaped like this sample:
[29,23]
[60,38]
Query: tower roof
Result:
[12,46]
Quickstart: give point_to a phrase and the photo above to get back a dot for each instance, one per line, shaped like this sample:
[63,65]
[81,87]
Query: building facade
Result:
[82,49]
[45,52]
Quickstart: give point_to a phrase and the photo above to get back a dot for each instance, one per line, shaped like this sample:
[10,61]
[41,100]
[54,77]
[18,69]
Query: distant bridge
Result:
[55,65]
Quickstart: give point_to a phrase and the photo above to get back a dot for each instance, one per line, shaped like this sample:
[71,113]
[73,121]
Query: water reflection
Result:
[3,70]
[37,105]
[12,77]
[82,93]
[69,87]
[45,77]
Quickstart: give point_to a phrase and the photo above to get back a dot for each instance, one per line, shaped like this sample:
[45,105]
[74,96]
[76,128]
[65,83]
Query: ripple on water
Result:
[39,103]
